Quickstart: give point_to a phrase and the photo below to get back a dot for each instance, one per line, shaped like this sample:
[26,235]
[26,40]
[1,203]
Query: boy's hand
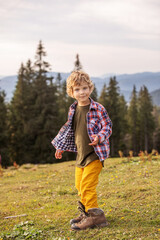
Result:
[58,154]
[95,140]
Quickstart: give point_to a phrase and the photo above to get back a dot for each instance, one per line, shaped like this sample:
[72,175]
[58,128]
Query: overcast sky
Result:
[111,36]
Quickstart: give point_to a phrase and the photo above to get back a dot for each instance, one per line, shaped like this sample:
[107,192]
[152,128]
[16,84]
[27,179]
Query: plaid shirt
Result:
[98,122]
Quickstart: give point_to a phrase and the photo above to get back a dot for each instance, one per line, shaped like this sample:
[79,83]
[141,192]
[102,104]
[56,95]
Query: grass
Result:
[128,192]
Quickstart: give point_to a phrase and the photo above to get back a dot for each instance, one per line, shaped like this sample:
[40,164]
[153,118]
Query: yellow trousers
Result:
[86,180]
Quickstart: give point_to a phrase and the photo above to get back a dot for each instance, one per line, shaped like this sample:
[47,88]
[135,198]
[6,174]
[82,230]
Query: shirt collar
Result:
[92,104]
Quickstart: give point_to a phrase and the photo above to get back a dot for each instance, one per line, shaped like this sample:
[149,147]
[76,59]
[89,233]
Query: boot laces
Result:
[83,219]
[82,211]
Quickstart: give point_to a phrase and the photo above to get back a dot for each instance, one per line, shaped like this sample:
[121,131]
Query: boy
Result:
[86,132]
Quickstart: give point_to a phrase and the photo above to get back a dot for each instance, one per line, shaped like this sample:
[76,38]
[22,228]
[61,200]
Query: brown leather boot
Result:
[95,218]
[78,219]
[81,208]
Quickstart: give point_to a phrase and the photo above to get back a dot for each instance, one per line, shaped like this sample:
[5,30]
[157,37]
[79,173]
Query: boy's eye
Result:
[76,89]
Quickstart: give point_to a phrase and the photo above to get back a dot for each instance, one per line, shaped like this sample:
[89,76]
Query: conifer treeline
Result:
[40,105]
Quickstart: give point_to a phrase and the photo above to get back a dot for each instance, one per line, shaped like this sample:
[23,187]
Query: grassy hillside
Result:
[45,196]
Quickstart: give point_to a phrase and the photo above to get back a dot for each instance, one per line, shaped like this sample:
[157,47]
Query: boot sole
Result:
[94,226]
[100,225]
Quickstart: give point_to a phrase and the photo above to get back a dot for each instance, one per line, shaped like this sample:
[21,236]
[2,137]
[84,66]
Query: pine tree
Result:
[63,104]
[16,120]
[41,66]
[61,99]
[156,133]
[3,130]
[147,123]
[116,107]
[133,121]
[29,111]
[45,108]
[123,144]
[77,64]
[113,108]
[103,96]
[58,82]
[33,113]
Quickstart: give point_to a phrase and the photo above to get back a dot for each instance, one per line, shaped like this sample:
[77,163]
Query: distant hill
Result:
[8,85]
[126,82]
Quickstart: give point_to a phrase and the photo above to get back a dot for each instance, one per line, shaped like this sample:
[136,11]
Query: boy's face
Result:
[81,93]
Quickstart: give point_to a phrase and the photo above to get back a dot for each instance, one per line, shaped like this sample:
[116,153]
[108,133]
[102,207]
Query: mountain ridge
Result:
[125,82]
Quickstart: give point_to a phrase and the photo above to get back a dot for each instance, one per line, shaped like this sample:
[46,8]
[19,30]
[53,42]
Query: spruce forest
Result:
[39,108]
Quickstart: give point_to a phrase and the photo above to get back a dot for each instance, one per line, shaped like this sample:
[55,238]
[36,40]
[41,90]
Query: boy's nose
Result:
[81,91]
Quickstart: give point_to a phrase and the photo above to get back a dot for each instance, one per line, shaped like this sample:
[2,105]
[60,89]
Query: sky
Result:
[110,36]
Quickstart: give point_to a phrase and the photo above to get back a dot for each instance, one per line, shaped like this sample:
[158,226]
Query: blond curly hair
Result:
[75,79]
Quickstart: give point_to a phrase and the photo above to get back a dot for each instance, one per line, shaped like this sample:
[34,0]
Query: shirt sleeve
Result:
[65,138]
[106,124]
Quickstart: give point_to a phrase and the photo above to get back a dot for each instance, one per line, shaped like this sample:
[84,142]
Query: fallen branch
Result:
[22,215]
